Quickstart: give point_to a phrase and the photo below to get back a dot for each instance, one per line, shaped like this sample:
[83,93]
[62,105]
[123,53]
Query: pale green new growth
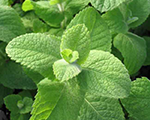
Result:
[77,39]
[65,71]
[133,49]
[27,5]
[99,32]
[137,104]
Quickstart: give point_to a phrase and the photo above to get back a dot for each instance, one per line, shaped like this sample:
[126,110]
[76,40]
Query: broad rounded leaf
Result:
[11,102]
[139,9]
[105,75]
[115,21]
[66,101]
[10,24]
[65,71]
[36,51]
[106,5]
[99,32]
[133,50]
[49,13]
[77,39]
[137,104]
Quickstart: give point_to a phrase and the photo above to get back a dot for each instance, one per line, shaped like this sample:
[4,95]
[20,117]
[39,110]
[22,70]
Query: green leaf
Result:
[133,50]
[50,14]
[69,55]
[14,116]
[141,13]
[35,76]
[72,7]
[147,61]
[27,5]
[11,102]
[66,101]
[115,21]
[99,32]
[10,24]
[13,76]
[39,26]
[53,2]
[4,92]
[4,2]
[137,104]
[106,5]
[65,71]
[27,105]
[105,75]
[77,39]
[36,51]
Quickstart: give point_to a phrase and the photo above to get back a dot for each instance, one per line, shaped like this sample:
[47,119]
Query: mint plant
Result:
[79,60]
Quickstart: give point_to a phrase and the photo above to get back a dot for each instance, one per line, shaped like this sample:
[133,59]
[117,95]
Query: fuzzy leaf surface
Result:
[115,21]
[77,39]
[106,5]
[133,50]
[65,71]
[105,75]
[36,51]
[137,104]
[72,103]
[99,32]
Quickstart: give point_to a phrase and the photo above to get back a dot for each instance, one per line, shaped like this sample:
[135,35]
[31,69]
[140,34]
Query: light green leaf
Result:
[13,76]
[69,55]
[133,50]
[105,75]
[53,2]
[27,105]
[99,32]
[106,5]
[11,102]
[27,5]
[66,101]
[49,13]
[72,7]
[4,2]
[137,104]
[77,39]
[36,51]
[4,92]
[147,61]
[10,24]
[65,71]
[139,9]
[115,21]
